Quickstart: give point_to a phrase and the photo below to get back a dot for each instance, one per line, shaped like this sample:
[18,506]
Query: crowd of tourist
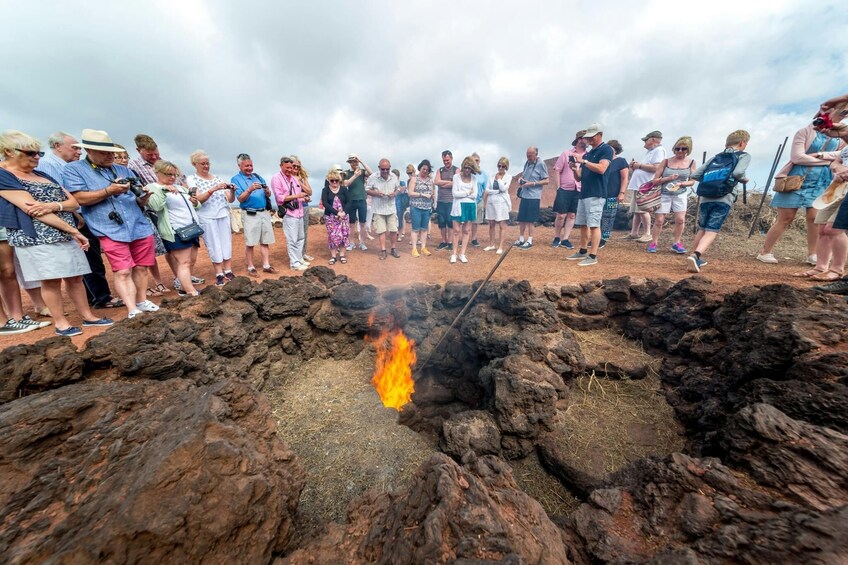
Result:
[61,213]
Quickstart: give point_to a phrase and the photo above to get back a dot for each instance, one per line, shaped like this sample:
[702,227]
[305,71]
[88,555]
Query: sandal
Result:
[153,292]
[114,303]
[332,261]
[383,254]
[808,274]
[161,288]
[343,259]
[828,276]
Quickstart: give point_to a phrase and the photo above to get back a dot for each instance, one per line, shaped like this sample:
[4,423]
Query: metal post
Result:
[698,199]
[774,165]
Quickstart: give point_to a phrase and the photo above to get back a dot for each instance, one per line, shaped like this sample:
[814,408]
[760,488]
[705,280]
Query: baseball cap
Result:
[593,130]
[654,133]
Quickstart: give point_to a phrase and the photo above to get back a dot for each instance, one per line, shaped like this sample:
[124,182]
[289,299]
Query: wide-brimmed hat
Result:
[337,168]
[578,136]
[593,130]
[654,133]
[352,157]
[98,140]
[834,194]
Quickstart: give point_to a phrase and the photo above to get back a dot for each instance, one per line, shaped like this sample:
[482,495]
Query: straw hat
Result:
[834,194]
[99,141]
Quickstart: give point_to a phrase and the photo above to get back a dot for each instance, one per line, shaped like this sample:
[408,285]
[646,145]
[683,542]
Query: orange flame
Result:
[393,376]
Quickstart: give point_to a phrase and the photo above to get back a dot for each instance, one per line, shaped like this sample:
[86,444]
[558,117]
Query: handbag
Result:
[190,231]
[789,183]
[648,197]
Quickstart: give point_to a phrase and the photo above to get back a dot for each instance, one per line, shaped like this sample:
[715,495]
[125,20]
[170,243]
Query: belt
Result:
[254,210]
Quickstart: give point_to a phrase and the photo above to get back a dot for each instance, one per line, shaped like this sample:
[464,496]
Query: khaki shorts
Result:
[385,223]
[258,229]
[633,208]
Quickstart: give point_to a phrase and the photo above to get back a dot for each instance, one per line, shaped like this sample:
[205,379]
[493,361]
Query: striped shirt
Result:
[52,165]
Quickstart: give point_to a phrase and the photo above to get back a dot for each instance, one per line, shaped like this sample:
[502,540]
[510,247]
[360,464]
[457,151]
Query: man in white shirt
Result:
[383,187]
[62,152]
[643,172]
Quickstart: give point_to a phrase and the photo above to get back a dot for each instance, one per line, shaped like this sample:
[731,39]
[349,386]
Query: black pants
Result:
[96,284]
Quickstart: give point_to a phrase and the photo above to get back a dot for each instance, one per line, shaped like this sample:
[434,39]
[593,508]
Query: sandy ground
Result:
[732,264]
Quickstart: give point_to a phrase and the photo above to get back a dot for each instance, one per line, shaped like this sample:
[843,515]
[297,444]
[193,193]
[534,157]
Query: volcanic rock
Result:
[474,431]
[50,363]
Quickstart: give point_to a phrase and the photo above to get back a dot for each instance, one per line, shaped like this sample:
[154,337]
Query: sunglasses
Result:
[295,166]
[502,166]
[334,180]
[681,149]
[384,170]
[30,153]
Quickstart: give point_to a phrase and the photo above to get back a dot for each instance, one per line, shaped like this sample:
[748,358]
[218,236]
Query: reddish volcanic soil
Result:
[731,265]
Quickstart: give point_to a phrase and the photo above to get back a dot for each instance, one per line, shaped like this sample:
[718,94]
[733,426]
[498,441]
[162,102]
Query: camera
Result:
[115,217]
[823,121]
[135,185]
[263,185]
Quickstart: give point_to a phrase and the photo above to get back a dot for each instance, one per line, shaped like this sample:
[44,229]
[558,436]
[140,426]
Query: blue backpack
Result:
[718,176]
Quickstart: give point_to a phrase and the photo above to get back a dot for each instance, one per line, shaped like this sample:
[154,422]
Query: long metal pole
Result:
[774,165]
[698,200]
[466,307]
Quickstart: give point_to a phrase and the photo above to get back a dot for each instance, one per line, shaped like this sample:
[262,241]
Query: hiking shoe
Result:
[102,322]
[229,276]
[349,247]
[442,245]
[647,238]
[272,270]
[518,243]
[577,256]
[463,259]
[362,247]
[453,259]
[652,248]
[588,262]
[13,326]
[555,242]
[415,252]
[475,243]
[525,245]
[69,332]
[220,280]
[308,258]
[395,253]
[602,244]
[693,264]
[197,280]
[836,287]
[489,248]
[567,244]
[177,285]
[30,322]
[766,258]
[252,272]
[147,306]
[678,248]
[629,236]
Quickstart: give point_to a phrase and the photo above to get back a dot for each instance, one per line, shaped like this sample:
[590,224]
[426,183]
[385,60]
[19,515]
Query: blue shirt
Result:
[256,200]
[85,176]
[52,165]
[482,183]
[592,184]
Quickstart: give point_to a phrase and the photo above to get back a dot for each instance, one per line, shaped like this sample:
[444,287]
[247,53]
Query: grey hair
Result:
[194,157]
[242,157]
[12,139]
[57,138]
[475,155]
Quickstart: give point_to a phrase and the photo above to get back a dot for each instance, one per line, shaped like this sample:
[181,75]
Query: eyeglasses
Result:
[334,181]
[30,153]
[384,170]
[169,174]
[681,149]
[502,166]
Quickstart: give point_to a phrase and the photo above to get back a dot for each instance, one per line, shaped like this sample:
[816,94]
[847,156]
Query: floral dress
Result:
[338,229]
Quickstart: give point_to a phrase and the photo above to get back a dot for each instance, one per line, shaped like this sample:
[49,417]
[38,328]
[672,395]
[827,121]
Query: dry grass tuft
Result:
[548,491]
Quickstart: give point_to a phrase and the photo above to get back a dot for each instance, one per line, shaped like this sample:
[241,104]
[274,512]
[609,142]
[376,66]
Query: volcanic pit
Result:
[622,421]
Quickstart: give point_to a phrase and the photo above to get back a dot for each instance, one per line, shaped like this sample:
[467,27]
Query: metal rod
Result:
[698,199]
[466,307]
[774,165]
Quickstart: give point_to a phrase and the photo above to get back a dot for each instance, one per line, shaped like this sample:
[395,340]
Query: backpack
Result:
[718,180]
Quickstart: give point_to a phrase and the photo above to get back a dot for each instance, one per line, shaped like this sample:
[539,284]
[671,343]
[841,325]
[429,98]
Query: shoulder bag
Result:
[191,231]
[648,197]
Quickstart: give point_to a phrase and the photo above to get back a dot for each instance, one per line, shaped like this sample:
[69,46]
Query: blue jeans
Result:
[711,215]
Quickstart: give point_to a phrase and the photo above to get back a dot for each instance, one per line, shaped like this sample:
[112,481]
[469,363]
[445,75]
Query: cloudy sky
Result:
[408,79]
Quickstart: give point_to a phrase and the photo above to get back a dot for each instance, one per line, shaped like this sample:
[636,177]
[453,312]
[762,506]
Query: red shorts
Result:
[124,256]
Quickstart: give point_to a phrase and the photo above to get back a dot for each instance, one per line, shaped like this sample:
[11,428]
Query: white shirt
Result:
[639,177]
[383,206]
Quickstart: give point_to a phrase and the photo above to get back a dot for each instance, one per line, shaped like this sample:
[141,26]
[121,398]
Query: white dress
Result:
[498,203]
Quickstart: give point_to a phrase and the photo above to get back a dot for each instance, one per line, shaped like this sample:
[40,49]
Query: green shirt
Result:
[356,190]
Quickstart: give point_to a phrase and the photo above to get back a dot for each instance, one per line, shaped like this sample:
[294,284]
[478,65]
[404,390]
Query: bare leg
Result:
[559,222]
[265,252]
[703,240]
[595,240]
[76,292]
[10,292]
[784,219]
[584,237]
[139,279]
[393,237]
[659,220]
[35,297]
[569,225]
[51,291]
[679,225]
[502,233]
[839,248]
[812,231]
[125,288]
[382,237]
[466,236]
[248,258]
[182,261]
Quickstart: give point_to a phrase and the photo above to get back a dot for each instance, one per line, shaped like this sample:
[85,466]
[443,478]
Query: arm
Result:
[599,168]
[307,189]
[37,209]
[368,170]
[327,200]
[22,199]
[625,178]
[798,154]
[411,188]
[741,167]
[158,199]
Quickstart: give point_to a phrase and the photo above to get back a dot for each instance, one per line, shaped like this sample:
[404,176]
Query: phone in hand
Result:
[571,159]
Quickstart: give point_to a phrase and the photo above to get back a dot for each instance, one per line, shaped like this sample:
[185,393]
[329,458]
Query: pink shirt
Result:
[566,175]
[283,186]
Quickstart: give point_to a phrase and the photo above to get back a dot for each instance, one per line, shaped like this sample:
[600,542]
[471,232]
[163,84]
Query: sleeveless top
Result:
[446,194]
[683,175]
[422,186]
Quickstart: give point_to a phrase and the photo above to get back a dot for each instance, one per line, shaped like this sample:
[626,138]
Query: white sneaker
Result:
[177,285]
[767,258]
[812,259]
[308,258]
[453,259]
[647,238]
[463,259]
[299,267]
[147,306]
[489,248]
[499,252]
[134,313]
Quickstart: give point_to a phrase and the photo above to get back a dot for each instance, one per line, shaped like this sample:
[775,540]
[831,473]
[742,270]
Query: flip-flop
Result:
[828,276]
[114,303]
[808,274]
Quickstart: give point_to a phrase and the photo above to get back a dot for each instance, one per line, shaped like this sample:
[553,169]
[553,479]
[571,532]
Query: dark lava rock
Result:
[48,364]
[595,302]
[354,296]
[617,290]
[144,472]
[451,514]
[474,431]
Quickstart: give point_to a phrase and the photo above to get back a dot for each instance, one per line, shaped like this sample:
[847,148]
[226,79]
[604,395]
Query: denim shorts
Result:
[711,215]
[357,211]
[420,218]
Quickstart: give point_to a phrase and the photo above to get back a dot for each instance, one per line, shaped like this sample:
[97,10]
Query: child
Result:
[713,211]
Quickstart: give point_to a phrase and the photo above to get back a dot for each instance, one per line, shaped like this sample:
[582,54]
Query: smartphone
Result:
[571,159]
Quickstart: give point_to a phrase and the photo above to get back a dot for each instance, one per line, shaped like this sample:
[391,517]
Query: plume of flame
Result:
[393,374]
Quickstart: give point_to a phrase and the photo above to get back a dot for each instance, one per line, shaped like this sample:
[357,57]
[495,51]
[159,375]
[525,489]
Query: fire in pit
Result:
[393,375]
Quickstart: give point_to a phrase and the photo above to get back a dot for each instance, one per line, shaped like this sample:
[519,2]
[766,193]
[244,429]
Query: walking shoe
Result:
[197,280]
[555,242]
[177,285]
[147,306]
[272,270]
[647,238]
[835,287]
[463,259]
[652,248]
[577,256]
[102,322]
[349,247]
[629,236]
[812,259]
[220,280]
[588,262]
[362,247]
[252,272]
[693,264]
[184,294]
[299,267]
[518,243]
[567,244]
[395,253]
[489,248]
[678,248]
[37,325]
[602,244]
[229,276]
[415,252]
[12,326]
[425,252]
[766,258]
[475,243]
[453,259]
[69,332]
[525,245]
[133,314]
[308,257]
[499,252]
[442,245]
